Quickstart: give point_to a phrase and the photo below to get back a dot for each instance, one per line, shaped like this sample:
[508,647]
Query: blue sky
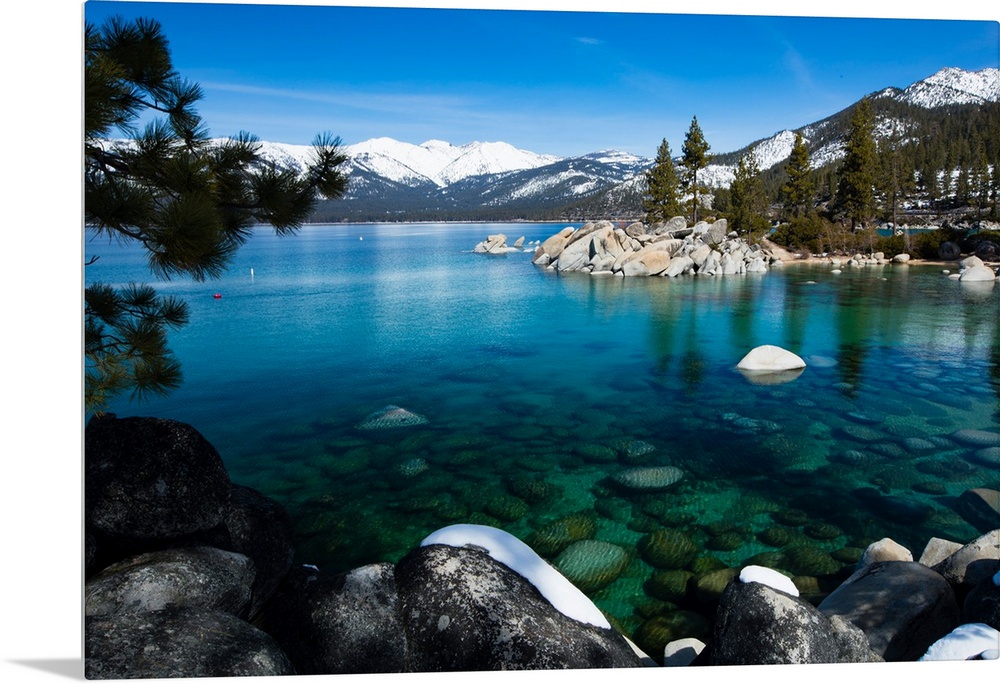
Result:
[563,83]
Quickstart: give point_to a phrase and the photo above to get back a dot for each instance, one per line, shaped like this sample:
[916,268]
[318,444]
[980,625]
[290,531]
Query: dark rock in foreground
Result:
[902,607]
[200,577]
[343,624]
[465,611]
[147,478]
[758,625]
[178,642]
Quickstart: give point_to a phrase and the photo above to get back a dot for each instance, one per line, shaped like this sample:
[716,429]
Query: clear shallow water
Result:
[534,385]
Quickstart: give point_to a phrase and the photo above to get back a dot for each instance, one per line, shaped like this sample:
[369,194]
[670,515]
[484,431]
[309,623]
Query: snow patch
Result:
[964,642]
[768,577]
[519,557]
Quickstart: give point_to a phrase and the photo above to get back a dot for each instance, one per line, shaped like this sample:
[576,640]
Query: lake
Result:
[539,388]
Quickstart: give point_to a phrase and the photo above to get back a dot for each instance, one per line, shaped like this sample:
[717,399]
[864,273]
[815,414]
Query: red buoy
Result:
[217,296]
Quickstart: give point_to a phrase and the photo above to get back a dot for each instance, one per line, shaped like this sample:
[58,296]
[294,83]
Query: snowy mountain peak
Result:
[439,162]
[954,86]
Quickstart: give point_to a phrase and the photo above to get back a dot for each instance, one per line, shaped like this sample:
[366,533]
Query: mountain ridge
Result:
[394,180]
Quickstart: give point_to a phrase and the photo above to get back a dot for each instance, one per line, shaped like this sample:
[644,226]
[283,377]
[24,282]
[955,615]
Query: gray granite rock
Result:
[758,625]
[902,607]
[464,611]
[178,642]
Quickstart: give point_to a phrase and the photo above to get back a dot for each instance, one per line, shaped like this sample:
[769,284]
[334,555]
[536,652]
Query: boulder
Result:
[391,417]
[759,625]
[667,549]
[770,358]
[178,642]
[937,550]
[682,652]
[349,623]
[902,607]
[555,244]
[591,564]
[977,274]
[654,261]
[493,244]
[260,528]
[975,562]
[465,611]
[679,266]
[200,577]
[901,259]
[949,251]
[648,479]
[147,480]
[884,550]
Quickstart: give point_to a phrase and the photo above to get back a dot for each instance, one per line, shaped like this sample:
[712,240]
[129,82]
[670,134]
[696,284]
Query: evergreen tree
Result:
[661,201]
[190,202]
[799,190]
[696,157]
[855,190]
[746,197]
[895,178]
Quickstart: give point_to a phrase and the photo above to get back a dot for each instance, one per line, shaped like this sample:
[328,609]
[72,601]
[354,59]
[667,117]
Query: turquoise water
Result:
[538,387]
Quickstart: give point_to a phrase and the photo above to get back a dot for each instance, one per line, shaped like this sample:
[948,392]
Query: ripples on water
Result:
[539,387]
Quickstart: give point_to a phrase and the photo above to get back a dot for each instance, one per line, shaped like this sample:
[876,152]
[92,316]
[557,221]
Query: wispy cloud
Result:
[586,40]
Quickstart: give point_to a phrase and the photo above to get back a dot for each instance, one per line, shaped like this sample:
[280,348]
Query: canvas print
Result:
[456,340]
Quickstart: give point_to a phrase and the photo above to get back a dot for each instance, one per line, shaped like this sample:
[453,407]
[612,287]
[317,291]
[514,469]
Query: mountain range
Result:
[397,181]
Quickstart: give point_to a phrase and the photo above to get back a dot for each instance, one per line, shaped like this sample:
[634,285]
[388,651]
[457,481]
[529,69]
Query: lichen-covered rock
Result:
[178,642]
[465,611]
[591,564]
[902,607]
[758,625]
[349,623]
[149,480]
[200,577]
[667,549]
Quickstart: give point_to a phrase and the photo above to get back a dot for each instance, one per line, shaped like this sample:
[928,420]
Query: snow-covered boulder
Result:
[476,598]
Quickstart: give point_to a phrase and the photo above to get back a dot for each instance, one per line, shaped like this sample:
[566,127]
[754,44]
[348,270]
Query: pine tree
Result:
[855,190]
[696,157]
[661,201]
[895,178]
[799,190]
[746,197]
[188,201]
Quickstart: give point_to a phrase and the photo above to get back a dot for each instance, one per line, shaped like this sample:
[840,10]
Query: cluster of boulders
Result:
[662,249]
[974,270]
[190,575]
[497,244]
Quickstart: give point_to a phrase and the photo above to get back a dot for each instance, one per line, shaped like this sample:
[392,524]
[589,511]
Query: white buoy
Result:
[251,274]
[361,238]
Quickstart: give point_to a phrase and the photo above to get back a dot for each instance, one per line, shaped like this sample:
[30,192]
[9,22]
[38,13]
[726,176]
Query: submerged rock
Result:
[390,417]
[652,479]
[591,564]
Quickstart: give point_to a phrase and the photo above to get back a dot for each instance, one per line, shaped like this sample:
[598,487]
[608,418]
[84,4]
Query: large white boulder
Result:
[768,357]
[977,274]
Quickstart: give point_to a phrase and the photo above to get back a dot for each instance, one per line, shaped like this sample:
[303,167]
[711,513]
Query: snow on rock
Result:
[973,640]
[519,557]
[768,577]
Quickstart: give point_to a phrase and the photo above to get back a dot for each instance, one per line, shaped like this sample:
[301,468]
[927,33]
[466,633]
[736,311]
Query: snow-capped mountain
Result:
[395,180]
[952,86]
[439,162]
